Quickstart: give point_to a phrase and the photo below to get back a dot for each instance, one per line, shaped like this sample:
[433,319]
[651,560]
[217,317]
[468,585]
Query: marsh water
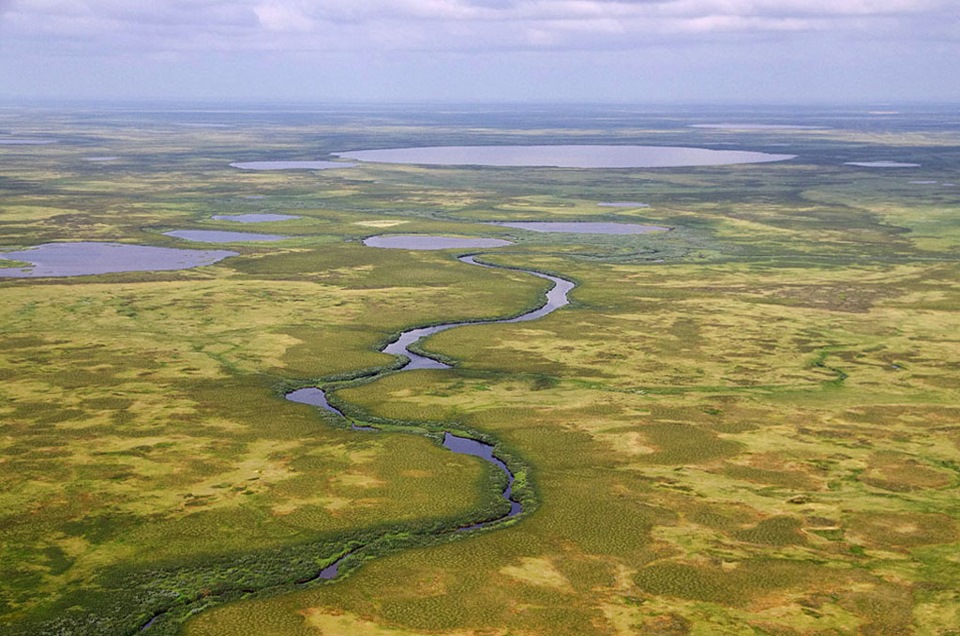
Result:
[82,259]
[584,227]
[429,242]
[220,236]
[564,156]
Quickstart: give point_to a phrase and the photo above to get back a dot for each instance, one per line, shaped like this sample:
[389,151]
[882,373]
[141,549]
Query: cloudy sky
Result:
[483,50]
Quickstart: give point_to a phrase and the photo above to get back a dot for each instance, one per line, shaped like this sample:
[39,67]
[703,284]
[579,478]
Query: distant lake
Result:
[581,156]
[101,158]
[291,165]
[255,218]
[26,142]
[584,227]
[427,242]
[623,204]
[80,259]
[881,164]
[731,126]
[217,236]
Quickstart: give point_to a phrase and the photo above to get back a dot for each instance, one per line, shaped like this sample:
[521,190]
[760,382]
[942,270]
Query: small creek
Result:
[556,297]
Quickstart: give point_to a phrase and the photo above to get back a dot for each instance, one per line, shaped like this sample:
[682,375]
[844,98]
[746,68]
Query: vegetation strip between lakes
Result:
[517,490]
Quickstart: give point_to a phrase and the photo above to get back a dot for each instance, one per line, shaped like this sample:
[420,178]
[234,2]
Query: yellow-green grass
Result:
[757,435]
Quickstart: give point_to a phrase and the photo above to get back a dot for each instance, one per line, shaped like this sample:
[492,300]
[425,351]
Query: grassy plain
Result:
[749,424]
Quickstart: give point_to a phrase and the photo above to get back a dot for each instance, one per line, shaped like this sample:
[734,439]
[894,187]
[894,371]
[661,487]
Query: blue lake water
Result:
[564,156]
[217,236]
[427,242]
[80,259]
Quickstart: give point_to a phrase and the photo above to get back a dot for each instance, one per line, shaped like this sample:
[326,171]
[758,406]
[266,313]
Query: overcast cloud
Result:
[623,50]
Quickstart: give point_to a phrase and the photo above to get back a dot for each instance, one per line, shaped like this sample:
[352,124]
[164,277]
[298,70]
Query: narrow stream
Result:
[556,298]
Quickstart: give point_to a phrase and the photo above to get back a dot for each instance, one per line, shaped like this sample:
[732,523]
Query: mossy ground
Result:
[748,424]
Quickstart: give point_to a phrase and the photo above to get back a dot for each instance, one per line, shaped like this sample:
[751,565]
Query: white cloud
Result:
[129,26]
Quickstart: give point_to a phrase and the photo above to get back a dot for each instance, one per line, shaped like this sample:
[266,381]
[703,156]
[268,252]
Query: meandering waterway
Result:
[556,297]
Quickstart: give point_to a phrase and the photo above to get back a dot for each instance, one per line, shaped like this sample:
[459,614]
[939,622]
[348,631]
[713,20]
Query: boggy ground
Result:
[747,424]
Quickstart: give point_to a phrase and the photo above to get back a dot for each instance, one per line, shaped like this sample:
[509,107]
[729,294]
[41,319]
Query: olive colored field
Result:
[749,424]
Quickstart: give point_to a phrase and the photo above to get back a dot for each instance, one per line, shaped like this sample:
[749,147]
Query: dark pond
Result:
[291,165]
[426,242]
[217,236]
[578,156]
[255,218]
[585,227]
[80,259]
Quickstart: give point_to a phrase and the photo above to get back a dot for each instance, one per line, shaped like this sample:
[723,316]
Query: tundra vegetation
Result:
[747,424]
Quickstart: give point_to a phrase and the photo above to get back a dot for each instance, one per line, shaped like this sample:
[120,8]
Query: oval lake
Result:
[81,259]
[428,242]
[564,156]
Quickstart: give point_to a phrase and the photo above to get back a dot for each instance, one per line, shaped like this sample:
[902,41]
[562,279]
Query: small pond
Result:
[81,259]
[291,165]
[584,227]
[623,204]
[579,156]
[255,218]
[217,236]
[427,242]
[881,164]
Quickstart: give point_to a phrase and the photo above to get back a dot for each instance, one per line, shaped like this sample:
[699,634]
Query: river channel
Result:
[556,297]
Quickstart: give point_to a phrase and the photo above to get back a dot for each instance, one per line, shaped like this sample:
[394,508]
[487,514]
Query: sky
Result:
[607,51]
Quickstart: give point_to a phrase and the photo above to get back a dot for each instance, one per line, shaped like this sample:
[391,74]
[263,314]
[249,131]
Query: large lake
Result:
[80,259]
[427,242]
[219,236]
[584,227]
[291,165]
[580,156]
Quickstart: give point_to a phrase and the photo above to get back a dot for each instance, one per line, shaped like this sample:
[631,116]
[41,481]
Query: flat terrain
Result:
[748,424]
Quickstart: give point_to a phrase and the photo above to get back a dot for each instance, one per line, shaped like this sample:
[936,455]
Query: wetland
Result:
[746,423]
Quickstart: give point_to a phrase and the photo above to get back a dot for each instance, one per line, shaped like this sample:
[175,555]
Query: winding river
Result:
[556,297]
